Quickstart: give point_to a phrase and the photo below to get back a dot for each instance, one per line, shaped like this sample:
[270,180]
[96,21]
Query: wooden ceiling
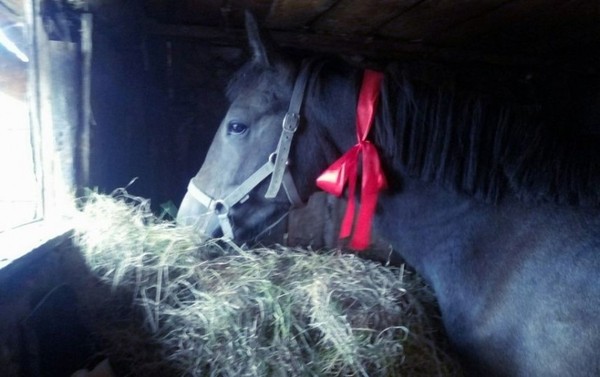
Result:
[500,31]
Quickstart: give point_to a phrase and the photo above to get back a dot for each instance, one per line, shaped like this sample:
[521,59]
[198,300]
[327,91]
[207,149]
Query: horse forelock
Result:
[431,127]
[271,81]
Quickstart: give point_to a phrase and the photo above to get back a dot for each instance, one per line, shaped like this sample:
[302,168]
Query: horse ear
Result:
[257,45]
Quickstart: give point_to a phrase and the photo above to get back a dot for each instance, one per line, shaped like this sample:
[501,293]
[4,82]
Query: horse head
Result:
[263,159]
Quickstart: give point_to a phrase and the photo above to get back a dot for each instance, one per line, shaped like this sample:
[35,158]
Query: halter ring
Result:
[272,158]
[220,207]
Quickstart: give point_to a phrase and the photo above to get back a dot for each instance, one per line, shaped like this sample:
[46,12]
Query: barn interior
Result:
[135,89]
[160,54]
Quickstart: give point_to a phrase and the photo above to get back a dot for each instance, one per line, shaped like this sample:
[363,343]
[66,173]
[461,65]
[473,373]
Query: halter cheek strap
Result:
[290,124]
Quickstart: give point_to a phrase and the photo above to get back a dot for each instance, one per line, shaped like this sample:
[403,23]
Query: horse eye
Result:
[236,128]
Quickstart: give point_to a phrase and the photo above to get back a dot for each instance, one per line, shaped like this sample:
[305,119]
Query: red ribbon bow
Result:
[345,169]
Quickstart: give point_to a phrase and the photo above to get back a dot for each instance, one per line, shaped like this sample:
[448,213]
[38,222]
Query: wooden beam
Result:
[369,47]
[186,11]
[496,19]
[360,16]
[435,17]
[290,14]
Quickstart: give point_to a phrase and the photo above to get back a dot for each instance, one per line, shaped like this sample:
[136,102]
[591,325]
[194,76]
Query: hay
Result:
[215,309]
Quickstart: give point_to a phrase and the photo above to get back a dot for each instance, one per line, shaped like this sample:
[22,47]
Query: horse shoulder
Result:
[536,308]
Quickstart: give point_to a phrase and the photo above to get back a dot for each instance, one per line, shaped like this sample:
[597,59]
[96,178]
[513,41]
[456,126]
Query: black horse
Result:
[500,218]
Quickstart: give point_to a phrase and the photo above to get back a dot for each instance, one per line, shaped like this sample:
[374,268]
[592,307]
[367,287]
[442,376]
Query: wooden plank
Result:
[501,17]
[386,49]
[205,12]
[84,131]
[294,14]
[360,16]
[236,9]
[548,31]
[65,101]
[432,17]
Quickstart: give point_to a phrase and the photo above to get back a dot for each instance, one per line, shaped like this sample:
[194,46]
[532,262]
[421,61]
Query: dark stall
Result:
[120,256]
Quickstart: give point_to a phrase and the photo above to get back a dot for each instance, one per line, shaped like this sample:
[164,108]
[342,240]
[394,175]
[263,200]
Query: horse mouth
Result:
[250,222]
[262,224]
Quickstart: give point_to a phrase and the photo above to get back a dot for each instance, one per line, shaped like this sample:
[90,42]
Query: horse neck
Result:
[331,105]
[431,228]
[328,127]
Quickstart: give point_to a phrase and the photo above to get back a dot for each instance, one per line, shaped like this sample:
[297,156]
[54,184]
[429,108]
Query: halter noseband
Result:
[276,164]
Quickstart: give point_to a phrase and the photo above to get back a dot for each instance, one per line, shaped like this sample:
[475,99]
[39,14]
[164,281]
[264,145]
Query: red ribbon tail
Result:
[373,181]
[348,221]
[362,231]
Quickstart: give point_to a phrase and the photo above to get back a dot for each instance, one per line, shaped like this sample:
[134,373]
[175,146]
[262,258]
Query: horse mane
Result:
[435,126]
[463,131]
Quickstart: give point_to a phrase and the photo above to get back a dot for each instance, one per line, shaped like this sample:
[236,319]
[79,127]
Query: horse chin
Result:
[257,223]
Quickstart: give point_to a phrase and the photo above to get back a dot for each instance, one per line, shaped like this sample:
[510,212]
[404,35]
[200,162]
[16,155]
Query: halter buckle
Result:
[290,121]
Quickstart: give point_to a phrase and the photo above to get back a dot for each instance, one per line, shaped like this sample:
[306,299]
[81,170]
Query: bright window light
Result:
[20,191]
[34,202]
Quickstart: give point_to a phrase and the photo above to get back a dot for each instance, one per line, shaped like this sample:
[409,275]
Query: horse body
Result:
[517,280]
[517,286]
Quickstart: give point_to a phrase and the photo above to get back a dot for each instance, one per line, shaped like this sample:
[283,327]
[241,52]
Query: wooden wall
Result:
[156,102]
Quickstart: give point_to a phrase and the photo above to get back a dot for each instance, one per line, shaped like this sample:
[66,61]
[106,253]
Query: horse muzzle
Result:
[203,219]
[250,222]
[200,209]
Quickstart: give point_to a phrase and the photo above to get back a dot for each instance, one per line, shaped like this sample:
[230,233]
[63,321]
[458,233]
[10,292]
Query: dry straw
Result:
[215,309]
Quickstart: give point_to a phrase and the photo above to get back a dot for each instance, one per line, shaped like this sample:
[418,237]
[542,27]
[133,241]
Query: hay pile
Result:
[219,310]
